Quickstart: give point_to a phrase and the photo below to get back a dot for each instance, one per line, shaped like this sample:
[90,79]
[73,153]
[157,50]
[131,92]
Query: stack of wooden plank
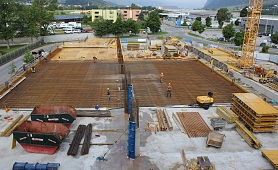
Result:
[273,86]
[258,115]
[163,120]
[133,47]
[227,114]
[248,136]
[271,156]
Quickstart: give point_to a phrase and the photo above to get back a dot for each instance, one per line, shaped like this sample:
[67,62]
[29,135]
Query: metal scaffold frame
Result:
[251,32]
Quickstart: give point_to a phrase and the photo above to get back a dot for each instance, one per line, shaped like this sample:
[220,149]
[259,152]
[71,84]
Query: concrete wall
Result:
[255,85]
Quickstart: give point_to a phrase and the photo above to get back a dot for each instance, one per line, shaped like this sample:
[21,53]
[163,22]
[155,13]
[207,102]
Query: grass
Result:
[195,35]
[12,48]
[159,33]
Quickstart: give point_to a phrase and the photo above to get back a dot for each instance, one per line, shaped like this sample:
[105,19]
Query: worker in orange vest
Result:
[169,90]
[161,77]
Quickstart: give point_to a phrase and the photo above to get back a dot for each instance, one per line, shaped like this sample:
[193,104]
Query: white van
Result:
[69,31]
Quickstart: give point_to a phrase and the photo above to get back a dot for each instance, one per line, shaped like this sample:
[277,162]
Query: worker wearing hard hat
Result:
[161,77]
[108,94]
[169,90]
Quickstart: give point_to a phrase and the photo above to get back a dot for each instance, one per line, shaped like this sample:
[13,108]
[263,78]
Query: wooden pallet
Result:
[194,124]
[271,156]
[227,114]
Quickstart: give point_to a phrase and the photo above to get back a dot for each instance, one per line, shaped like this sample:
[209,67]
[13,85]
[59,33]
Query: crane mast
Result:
[251,32]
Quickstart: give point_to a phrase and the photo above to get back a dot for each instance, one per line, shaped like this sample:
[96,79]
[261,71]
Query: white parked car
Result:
[77,31]
[69,32]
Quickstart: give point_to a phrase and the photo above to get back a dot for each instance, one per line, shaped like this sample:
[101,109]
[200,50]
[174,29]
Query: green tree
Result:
[222,15]
[239,36]
[12,69]
[8,17]
[44,12]
[199,18]
[237,22]
[274,38]
[118,26]
[28,57]
[99,27]
[198,26]
[243,12]
[208,21]
[153,21]
[131,26]
[141,17]
[133,6]
[228,31]
[265,49]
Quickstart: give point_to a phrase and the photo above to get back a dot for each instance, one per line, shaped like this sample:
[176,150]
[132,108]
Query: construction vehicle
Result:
[205,101]
[263,80]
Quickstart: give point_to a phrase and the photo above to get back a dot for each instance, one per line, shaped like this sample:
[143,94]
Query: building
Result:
[107,14]
[130,13]
[268,25]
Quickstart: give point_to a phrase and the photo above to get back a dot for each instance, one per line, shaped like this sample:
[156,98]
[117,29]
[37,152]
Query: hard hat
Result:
[107,88]
[169,83]
[161,73]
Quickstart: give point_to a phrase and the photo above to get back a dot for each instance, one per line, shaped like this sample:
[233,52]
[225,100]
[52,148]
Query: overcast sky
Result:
[186,3]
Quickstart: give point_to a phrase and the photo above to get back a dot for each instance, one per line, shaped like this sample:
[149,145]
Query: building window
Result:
[125,15]
[111,12]
[125,11]
[96,12]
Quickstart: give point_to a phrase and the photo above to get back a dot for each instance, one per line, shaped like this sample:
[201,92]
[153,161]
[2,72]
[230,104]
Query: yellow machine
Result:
[205,101]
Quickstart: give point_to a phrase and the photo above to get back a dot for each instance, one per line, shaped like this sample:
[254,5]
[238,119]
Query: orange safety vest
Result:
[169,87]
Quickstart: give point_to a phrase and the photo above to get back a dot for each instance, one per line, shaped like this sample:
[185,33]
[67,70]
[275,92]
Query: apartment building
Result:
[108,14]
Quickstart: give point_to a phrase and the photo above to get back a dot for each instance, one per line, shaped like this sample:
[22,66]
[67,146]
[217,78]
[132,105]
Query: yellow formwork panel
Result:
[271,156]
[256,104]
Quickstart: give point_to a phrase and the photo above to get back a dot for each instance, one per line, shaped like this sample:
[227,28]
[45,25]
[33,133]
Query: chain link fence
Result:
[16,53]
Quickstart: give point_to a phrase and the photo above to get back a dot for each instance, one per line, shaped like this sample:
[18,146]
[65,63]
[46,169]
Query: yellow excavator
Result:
[205,101]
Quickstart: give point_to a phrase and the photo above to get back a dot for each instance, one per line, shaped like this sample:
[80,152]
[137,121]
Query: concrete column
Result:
[137,142]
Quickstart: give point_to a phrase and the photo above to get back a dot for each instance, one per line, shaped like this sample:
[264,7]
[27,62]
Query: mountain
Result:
[229,3]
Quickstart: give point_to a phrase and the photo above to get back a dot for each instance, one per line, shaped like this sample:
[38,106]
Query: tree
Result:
[133,6]
[222,15]
[265,49]
[131,26]
[208,21]
[118,27]
[228,31]
[99,27]
[28,57]
[274,38]
[7,20]
[153,21]
[237,22]
[239,36]
[198,26]
[243,12]
[141,17]
[12,69]
[44,12]
[199,18]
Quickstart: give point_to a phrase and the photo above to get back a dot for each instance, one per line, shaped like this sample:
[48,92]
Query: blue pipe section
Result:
[36,166]
[131,140]
[129,98]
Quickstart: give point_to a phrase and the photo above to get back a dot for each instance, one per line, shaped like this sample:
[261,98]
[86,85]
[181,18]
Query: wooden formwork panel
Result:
[271,156]
[194,124]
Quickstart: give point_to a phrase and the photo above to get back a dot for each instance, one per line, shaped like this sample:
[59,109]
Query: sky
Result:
[186,3]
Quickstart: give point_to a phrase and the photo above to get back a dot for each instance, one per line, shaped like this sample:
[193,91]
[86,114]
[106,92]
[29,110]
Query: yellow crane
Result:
[251,32]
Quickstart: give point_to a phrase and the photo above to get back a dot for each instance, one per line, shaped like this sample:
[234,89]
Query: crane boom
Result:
[251,32]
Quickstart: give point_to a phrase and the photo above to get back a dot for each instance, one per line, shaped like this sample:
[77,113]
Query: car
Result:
[89,30]
[263,44]
[77,31]
[221,39]
[274,45]
[69,32]
[260,34]
[83,31]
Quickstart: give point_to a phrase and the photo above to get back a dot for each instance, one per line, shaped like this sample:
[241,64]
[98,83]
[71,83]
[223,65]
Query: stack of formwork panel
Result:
[227,114]
[133,47]
[258,115]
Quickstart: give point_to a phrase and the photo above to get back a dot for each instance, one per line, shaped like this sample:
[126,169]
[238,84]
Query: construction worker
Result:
[33,69]
[161,77]
[108,94]
[169,90]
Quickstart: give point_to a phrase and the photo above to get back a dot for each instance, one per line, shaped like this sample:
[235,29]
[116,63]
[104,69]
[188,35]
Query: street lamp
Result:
[271,28]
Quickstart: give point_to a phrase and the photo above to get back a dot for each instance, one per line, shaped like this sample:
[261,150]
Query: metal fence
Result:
[16,53]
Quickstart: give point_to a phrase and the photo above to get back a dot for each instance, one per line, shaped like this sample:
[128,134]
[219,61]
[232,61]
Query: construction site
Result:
[161,104]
